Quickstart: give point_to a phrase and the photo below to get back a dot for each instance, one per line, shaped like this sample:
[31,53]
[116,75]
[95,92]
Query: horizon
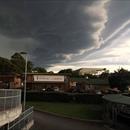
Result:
[111,69]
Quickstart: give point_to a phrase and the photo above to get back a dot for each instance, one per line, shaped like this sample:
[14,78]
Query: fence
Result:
[23,122]
[117,111]
[9,98]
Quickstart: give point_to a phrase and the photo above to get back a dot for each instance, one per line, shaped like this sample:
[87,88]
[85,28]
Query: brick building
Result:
[47,82]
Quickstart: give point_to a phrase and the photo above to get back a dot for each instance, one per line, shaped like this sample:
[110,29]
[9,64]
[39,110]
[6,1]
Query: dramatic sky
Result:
[59,34]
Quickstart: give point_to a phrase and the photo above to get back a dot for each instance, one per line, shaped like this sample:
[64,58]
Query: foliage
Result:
[29,66]
[50,72]
[70,72]
[64,97]
[15,65]
[104,75]
[6,67]
[39,70]
[19,62]
[90,76]
[119,79]
[66,71]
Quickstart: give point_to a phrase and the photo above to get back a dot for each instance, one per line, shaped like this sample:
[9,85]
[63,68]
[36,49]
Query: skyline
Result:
[67,34]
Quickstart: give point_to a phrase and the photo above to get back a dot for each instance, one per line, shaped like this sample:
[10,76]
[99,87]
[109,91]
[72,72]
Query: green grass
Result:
[82,111]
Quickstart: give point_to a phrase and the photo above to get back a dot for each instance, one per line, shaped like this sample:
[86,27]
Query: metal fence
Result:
[23,122]
[9,98]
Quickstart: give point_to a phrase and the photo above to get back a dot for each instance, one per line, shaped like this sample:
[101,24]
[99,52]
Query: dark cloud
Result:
[50,29]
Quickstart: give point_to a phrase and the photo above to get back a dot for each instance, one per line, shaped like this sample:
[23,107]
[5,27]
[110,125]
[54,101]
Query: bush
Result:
[63,97]
[87,98]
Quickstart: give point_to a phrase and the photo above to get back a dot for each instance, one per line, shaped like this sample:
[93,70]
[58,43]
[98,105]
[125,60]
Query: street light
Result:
[25,79]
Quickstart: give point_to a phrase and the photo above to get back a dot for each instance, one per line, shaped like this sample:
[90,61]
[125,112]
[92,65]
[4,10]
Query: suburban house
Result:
[10,81]
[90,85]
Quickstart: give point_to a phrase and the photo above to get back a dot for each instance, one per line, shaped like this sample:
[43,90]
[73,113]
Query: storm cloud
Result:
[51,31]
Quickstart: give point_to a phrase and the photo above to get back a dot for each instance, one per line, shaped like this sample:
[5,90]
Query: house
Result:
[10,81]
[47,82]
[91,85]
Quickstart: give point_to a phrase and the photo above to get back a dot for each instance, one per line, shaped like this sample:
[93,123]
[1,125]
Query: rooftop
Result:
[91,81]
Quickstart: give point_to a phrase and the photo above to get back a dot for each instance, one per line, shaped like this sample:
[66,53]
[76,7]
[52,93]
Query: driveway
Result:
[44,121]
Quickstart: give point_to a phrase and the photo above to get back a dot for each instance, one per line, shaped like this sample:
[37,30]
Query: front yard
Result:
[75,110]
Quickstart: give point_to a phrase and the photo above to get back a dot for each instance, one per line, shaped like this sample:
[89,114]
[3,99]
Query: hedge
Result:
[63,97]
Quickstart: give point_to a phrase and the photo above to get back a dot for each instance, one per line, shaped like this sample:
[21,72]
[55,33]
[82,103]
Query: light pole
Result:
[25,78]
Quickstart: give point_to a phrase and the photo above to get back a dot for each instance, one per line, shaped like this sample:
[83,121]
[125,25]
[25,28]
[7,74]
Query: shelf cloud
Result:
[61,33]
[52,31]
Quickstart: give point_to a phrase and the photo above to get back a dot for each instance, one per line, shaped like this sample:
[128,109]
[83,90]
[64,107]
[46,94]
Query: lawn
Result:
[82,111]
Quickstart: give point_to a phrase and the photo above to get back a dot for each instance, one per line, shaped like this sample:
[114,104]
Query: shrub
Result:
[63,97]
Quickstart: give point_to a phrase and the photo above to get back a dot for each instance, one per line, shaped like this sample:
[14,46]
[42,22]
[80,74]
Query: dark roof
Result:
[117,98]
[91,81]
[45,74]
[78,79]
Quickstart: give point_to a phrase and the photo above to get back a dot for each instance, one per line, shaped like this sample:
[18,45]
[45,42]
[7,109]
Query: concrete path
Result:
[44,121]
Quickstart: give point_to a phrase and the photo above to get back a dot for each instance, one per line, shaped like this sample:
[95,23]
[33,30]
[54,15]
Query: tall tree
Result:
[19,62]
[6,67]
[29,66]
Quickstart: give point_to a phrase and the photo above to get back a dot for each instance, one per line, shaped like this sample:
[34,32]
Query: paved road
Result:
[44,121]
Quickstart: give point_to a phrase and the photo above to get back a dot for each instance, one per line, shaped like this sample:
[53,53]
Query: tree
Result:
[39,70]
[6,67]
[104,75]
[50,72]
[29,66]
[66,72]
[119,79]
[19,62]
[90,76]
